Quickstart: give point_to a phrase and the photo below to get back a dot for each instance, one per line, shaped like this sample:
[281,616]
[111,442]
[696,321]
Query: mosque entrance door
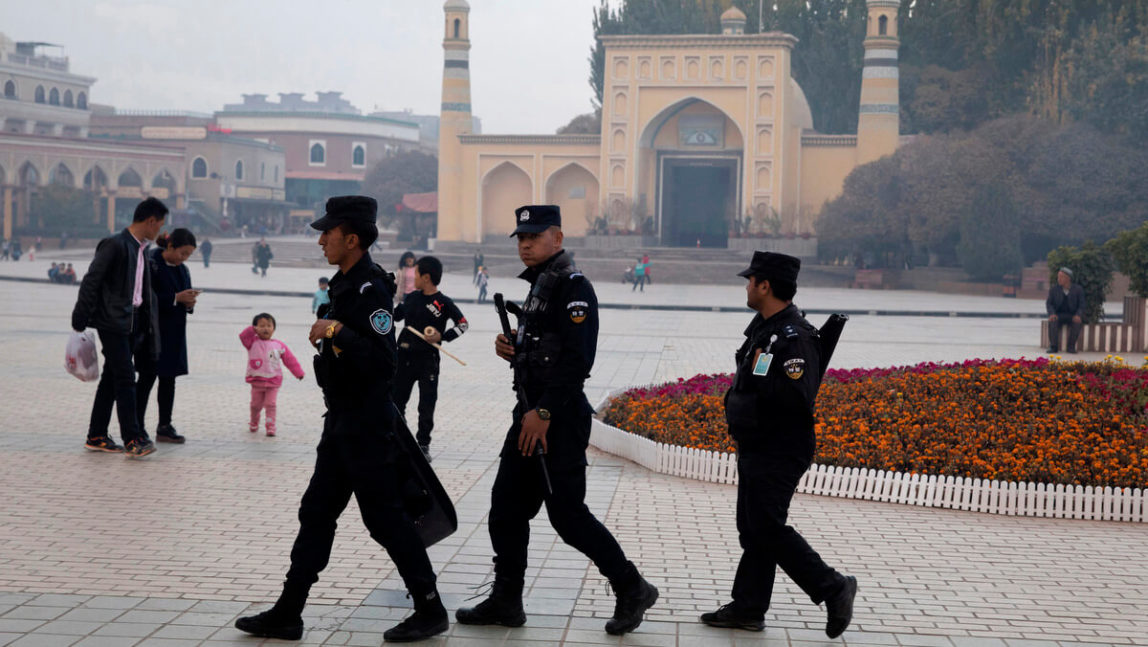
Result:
[697,198]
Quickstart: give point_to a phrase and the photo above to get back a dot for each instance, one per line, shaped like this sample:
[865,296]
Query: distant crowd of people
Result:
[62,273]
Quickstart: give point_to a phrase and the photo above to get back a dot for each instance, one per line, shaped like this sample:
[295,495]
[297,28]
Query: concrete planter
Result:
[800,247]
[594,241]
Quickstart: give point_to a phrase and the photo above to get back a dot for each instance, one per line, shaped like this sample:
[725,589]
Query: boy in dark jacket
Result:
[116,299]
[427,311]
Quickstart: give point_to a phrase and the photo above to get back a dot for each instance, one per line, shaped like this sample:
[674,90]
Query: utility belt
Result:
[537,357]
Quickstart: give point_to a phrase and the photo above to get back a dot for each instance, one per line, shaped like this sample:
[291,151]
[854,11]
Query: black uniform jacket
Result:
[772,410]
[105,299]
[420,310]
[356,367]
[558,337]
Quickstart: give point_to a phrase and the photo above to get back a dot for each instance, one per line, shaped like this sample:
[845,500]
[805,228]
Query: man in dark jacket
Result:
[1065,306]
[553,353]
[769,410]
[116,299]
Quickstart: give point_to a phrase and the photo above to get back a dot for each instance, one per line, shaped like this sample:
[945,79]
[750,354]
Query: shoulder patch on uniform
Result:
[382,321]
[576,275]
[578,311]
[794,368]
[790,331]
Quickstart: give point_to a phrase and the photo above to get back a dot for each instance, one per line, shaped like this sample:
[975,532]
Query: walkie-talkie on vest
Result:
[502,306]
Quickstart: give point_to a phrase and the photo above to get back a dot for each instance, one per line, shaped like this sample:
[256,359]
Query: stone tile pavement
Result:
[99,550]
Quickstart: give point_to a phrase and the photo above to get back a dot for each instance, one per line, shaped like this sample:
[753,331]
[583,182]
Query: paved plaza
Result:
[98,550]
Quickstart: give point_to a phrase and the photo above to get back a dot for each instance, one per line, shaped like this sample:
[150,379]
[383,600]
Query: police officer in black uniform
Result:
[358,452]
[769,410]
[553,353]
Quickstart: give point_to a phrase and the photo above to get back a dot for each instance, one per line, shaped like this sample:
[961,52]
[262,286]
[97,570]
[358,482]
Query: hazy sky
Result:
[528,58]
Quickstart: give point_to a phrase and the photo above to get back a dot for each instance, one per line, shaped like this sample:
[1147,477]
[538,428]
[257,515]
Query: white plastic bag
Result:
[80,357]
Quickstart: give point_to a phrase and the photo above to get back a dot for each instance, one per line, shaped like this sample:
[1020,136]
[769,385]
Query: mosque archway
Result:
[575,190]
[690,173]
[505,188]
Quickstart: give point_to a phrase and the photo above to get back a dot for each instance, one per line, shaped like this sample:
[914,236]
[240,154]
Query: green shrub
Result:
[1130,249]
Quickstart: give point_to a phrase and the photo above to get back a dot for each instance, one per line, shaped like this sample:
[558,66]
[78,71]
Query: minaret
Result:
[879,121]
[454,119]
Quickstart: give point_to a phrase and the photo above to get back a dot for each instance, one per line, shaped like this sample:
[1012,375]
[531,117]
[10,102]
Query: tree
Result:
[1091,267]
[589,123]
[392,177]
[1130,249]
[989,248]
[63,208]
[1014,181]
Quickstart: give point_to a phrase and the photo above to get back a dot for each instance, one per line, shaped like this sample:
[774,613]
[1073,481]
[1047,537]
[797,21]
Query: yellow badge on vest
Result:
[794,368]
[578,311]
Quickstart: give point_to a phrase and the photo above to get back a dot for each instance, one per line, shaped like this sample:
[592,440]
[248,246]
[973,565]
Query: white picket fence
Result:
[957,493]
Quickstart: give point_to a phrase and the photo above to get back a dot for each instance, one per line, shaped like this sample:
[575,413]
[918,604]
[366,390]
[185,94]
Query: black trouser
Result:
[422,368]
[207,260]
[358,454]
[1074,328]
[518,494]
[639,281]
[118,383]
[766,483]
[164,395]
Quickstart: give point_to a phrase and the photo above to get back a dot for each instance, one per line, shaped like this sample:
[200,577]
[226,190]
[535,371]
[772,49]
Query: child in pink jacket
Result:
[265,357]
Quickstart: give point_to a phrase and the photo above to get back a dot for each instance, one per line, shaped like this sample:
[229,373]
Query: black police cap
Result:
[347,208]
[771,265]
[536,218]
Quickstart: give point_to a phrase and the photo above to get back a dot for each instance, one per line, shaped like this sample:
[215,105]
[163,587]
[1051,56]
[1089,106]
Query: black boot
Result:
[732,616]
[429,619]
[168,434]
[503,607]
[840,608]
[635,595]
[269,624]
[284,620]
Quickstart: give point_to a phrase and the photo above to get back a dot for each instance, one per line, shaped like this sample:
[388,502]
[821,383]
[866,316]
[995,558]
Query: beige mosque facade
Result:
[697,130]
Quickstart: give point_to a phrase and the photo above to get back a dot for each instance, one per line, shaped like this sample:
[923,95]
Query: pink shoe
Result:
[253,429]
[270,432]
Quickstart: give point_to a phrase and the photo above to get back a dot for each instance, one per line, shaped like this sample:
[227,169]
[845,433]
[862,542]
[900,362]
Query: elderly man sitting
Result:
[1065,306]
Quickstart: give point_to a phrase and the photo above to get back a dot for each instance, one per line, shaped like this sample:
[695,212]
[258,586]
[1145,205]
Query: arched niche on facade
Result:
[504,188]
[575,190]
[61,175]
[95,180]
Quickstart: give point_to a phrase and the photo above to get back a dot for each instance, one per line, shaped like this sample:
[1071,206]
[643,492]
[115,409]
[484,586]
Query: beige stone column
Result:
[112,211]
[7,213]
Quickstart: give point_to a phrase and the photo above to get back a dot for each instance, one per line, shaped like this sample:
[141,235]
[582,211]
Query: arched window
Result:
[318,153]
[40,94]
[68,102]
[82,101]
[359,155]
[54,97]
[10,90]
[61,175]
[262,171]
[238,169]
[199,168]
[883,25]
[457,25]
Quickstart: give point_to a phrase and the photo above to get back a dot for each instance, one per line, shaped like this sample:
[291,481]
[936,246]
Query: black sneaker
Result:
[102,444]
[429,619]
[139,448]
[630,607]
[840,608]
[269,625]
[168,434]
[731,616]
[426,452]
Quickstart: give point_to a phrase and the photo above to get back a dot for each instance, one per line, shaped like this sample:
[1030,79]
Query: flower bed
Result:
[1010,420]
